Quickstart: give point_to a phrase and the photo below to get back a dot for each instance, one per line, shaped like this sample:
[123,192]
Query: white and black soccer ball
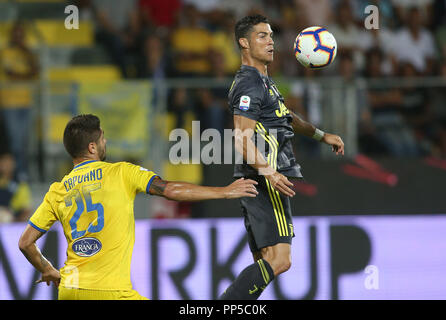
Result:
[315,47]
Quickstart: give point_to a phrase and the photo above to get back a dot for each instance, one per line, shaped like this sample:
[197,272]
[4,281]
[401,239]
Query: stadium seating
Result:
[52,34]
[84,73]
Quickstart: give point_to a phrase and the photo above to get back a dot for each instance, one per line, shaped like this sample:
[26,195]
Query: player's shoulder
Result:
[247,79]
[125,165]
[248,76]
[55,186]
[118,167]
[56,192]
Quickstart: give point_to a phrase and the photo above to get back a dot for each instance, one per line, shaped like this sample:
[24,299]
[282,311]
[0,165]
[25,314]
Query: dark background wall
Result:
[345,187]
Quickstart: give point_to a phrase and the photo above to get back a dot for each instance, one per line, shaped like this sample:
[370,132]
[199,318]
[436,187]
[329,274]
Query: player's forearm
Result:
[302,127]
[35,257]
[183,191]
[307,129]
[252,155]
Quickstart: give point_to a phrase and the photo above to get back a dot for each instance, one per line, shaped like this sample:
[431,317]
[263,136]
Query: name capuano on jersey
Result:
[93,175]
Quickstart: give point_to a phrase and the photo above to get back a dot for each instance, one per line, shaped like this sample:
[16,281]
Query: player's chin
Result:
[269,58]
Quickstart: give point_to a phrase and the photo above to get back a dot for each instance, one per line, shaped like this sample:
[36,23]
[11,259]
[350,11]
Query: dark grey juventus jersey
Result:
[256,97]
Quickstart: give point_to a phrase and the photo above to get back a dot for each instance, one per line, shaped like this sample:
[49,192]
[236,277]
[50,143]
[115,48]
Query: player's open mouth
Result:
[271,51]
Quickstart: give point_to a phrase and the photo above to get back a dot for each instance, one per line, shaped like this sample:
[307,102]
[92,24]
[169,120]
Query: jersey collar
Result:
[83,163]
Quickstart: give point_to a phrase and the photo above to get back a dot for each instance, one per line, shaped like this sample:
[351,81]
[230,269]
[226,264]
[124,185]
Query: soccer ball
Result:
[315,47]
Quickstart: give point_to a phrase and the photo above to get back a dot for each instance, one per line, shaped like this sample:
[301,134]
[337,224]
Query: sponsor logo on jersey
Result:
[86,247]
[244,103]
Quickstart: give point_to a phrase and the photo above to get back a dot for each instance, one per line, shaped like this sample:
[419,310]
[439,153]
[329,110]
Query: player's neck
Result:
[259,65]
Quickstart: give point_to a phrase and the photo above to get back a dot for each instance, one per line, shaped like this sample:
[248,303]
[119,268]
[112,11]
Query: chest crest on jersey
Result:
[274,94]
[282,110]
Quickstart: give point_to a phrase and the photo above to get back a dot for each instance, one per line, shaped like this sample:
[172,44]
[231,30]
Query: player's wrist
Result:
[267,171]
[225,192]
[318,135]
[48,269]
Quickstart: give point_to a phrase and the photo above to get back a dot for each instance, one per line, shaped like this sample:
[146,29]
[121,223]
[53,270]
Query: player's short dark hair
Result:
[244,26]
[79,132]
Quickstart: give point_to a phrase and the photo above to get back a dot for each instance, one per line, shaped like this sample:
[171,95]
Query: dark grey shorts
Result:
[268,218]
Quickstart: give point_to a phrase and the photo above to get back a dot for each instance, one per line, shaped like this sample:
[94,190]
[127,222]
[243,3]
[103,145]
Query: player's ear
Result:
[243,43]
[92,148]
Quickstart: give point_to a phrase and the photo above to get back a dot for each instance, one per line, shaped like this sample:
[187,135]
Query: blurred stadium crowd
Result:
[184,39]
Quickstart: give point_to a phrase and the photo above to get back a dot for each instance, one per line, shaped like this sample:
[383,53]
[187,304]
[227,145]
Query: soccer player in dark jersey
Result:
[260,115]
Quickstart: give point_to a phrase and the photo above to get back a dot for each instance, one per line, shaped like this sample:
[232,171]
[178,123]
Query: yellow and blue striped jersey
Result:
[94,204]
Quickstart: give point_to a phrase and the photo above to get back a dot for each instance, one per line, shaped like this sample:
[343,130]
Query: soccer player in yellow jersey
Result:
[94,204]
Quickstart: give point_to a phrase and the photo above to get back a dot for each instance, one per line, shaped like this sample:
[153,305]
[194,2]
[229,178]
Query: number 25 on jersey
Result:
[79,198]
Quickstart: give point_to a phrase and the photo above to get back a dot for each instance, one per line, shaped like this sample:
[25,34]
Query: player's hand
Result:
[52,275]
[336,143]
[241,188]
[281,183]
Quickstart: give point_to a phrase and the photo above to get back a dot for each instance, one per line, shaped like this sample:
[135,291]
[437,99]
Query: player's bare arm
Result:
[184,191]
[244,129]
[28,246]
[307,129]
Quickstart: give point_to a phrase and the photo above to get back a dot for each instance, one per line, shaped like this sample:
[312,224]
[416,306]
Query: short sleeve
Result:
[44,217]
[247,97]
[138,179]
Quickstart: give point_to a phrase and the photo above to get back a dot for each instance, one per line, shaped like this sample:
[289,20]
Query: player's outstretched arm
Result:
[309,130]
[184,191]
[27,244]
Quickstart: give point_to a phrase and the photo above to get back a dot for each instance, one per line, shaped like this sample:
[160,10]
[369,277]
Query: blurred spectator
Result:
[191,45]
[223,42]
[220,93]
[159,13]
[386,103]
[204,6]
[273,9]
[211,112]
[349,36]
[179,104]
[18,68]
[239,8]
[414,44]
[306,99]
[314,12]
[117,17]
[291,28]
[154,59]
[403,8]
[115,25]
[415,107]
[368,141]
[15,197]
[381,38]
